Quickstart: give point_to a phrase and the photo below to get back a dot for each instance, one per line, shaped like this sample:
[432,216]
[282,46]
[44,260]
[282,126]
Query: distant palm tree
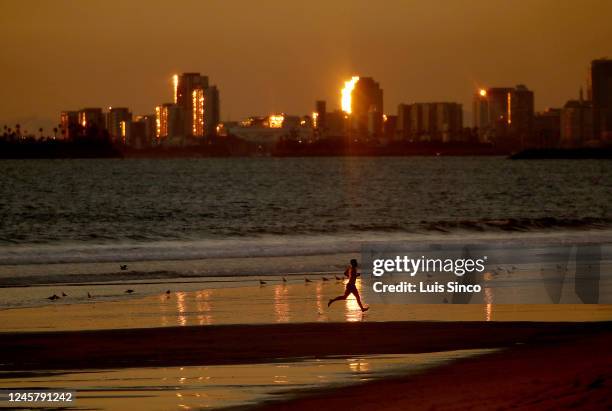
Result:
[40,130]
[54,133]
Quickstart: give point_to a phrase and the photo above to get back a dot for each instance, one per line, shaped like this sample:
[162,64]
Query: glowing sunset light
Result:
[276,120]
[175,87]
[482,92]
[346,94]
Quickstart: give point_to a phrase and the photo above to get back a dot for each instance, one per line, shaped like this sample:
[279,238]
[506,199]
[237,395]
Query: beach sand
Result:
[246,303]
[546,352]
[537,365]
[547,375]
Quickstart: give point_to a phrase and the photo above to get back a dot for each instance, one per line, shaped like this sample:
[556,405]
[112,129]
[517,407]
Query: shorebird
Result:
[53,297]
[168,292]
[284,280]
[123,267]
[306,280]
[261,282]
[130,291]
[325,279]
[89,295]
[338,278]
[64,294]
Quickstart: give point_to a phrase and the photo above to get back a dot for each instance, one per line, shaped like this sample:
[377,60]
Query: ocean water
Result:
[76,220]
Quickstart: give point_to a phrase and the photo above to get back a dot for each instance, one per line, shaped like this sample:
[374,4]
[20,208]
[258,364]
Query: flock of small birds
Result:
[122,267]
[306,280]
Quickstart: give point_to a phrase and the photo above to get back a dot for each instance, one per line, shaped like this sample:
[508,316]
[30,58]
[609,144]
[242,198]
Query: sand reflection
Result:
[488,297]
[352,311]
[181,308]
[281,304]
[204,307]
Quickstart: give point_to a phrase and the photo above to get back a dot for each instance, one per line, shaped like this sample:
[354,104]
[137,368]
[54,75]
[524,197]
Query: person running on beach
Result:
[352,274]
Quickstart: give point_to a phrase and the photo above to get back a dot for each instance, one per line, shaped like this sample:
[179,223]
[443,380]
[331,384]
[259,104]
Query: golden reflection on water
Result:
[181,308]
[163,308]
[204,306]
[281,304]
[352,312]
[488,297]
[358,365]
[321,303]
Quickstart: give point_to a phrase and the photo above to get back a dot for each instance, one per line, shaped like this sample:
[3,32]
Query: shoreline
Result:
[241,344]
[538,376]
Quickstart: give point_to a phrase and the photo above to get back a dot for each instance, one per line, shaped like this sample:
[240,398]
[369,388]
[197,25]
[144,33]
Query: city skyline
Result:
[294,67]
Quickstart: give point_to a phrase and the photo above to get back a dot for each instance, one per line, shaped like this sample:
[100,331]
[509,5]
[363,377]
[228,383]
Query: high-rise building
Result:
[600,94]
[520,114]
[547,128]
[118,124]
[91,117]
[440,121]
[576,123]
[501,113]
[185,85]
[143,130]
[169,121]
[197,112]
[212,111]
[199,102]
[390,127]
[362,101]
[319,116]
[69,124]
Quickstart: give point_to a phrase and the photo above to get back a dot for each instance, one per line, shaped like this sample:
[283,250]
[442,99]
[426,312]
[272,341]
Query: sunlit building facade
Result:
[169,121]
[118,124]
[504,115]
[91,117]
[197,112]
[185,85]
[362,101]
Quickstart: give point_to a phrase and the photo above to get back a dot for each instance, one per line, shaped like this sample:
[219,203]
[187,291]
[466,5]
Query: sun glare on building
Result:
[347,94]
[175,80]
[276,120]
[482,92]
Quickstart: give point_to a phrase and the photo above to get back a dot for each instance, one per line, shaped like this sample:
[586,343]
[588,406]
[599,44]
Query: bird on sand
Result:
[261,282]
[284,280]
[306,280]
[129,291]
[324,278]
[168,292]
[53,297]
[64,294]
[89,295]
[338,278]
[123,267]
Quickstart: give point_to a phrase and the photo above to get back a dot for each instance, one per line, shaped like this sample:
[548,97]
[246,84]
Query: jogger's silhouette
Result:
[351,288]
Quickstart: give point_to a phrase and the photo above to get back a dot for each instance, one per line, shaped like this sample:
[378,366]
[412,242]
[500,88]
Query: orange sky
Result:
[282,55]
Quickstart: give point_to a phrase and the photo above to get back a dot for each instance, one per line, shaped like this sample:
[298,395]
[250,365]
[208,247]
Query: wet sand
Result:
[544,375]
[235,344]
[245,303]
